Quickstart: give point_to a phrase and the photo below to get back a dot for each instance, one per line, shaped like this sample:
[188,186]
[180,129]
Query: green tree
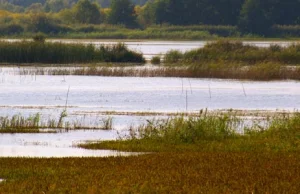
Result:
[42,23]
[55,5]
[35,8]
[122,12]
[285,12]
[86,12]
[255,17]
[161,12]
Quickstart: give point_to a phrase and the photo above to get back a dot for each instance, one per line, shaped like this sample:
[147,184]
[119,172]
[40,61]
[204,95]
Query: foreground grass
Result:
[188,172]
[195,155]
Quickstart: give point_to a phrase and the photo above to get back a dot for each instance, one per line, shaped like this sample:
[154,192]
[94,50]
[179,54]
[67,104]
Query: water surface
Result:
[56,145]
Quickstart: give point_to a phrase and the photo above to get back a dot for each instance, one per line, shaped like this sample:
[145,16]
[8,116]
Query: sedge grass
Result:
[280,133]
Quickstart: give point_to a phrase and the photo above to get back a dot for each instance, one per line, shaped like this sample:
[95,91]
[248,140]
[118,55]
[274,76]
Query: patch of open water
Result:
[90,96]
[56,145]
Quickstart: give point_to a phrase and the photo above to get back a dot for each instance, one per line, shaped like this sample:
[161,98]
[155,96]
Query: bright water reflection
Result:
[92,94]
[55,145]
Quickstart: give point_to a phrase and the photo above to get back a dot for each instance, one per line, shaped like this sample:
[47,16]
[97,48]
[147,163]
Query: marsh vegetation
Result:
[200,153]
[209,132]
[36,124]
[61,53]
[237,52]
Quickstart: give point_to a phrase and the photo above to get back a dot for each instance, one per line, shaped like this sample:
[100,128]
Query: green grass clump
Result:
[188,130]
[155,60]
[210,133]
[18,123]
[59,53]
[235,51]
[173,56]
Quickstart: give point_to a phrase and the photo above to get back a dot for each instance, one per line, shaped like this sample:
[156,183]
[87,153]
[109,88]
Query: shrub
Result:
[155,60]
[173,56]
[39,37]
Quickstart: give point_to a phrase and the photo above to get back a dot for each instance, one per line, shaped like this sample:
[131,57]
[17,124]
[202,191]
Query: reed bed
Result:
[235,51]
[34,124]
[226,70]
[60,53]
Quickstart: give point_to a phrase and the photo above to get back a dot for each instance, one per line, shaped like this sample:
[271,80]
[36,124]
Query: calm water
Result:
[19,93]
[55,145]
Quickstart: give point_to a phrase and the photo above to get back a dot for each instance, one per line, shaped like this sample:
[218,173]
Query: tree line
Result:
[250,16]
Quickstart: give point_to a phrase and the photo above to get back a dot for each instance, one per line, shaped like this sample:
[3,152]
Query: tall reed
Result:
[59,53]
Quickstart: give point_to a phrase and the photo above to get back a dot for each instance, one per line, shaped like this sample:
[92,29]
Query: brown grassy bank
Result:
[155,173]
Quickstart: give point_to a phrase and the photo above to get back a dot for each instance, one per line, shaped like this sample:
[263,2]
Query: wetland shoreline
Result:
[194,153]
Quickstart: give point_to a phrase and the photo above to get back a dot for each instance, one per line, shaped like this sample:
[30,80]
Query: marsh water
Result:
[150,48]
[88,99]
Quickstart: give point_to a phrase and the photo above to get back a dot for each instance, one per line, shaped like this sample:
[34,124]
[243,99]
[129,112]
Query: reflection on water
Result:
[56,145]
[95,93]
[56,152]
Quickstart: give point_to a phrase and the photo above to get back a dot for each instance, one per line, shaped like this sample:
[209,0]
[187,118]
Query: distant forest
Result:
[67,3]
[249,16]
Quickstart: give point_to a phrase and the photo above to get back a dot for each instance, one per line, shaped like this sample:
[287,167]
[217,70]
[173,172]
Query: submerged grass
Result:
[60,53]
[34,124]
[222,70]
